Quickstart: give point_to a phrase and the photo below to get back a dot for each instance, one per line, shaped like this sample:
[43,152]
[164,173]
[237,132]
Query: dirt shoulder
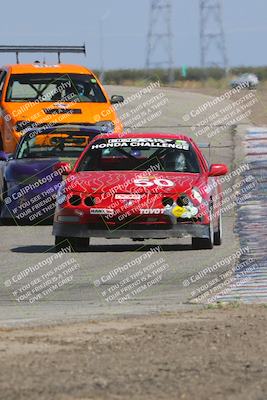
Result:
[207,354]
[258,116]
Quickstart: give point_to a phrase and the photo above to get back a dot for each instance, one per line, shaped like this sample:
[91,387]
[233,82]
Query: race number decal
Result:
[163,182]
[145,182]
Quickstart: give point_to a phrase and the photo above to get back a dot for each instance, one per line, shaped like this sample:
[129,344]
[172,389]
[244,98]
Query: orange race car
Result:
[39,95]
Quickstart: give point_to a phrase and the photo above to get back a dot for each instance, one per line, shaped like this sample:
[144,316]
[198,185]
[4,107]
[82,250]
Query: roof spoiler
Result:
[79,129]
[42,49]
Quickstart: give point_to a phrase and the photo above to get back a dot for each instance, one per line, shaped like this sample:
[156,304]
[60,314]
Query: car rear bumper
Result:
[176,231]
[32,208]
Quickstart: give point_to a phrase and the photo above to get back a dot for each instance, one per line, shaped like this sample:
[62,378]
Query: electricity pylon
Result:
[160,37]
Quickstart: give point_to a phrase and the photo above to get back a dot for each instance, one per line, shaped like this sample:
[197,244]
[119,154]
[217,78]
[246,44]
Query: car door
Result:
[3,75]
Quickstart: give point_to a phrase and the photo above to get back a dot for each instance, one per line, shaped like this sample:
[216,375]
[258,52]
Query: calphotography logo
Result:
[133,278]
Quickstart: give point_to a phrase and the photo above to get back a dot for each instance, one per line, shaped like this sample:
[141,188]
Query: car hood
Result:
[135,182]
[30,170]
[82,112]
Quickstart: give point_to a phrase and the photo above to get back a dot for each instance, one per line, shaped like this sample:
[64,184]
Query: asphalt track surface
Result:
[78,299]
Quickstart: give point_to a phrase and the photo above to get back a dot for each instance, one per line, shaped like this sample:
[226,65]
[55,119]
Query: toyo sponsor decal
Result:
[156,211]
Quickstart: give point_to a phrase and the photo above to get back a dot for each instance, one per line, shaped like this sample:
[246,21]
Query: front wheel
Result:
[76,244]
[218,232]
[199,243]
[202,243]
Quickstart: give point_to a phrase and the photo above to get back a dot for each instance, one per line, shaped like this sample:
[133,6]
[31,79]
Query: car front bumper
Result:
[176,231]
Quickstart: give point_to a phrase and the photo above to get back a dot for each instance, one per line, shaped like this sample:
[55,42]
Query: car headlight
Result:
[183,200]
[107,126]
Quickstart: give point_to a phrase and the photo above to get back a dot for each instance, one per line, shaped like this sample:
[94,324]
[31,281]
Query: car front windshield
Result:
[80,88]
[64,145]
[166,155]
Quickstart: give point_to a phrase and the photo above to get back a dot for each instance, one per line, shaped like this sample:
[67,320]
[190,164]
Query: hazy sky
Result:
[125,24]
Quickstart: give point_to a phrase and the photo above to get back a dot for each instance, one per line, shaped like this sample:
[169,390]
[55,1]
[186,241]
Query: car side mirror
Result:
[3,156]
[218,170]
[63,168]
[115,99]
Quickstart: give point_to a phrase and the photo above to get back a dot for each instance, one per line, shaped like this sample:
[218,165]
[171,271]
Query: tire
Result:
[199,243]
[10,220]
[1,207]
[202,244]
[77,244]
[5,221]
[218,232]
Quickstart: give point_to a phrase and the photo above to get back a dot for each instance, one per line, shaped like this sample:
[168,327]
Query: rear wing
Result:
[42,49]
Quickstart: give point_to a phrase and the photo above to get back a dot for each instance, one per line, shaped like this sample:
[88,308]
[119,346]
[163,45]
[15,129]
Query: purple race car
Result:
[30,178]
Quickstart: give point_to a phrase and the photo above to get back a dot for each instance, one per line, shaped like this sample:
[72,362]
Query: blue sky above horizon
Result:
[125,25]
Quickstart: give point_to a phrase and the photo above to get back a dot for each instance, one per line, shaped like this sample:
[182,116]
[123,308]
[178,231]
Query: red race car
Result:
[140,186]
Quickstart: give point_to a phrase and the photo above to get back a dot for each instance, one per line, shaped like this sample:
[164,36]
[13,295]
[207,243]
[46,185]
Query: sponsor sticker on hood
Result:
[128,196]
[101,211]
